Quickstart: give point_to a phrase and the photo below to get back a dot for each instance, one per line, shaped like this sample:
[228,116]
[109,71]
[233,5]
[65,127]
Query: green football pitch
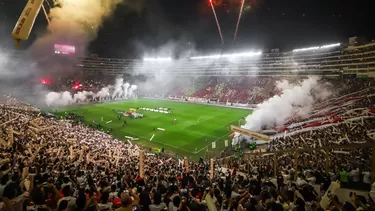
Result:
[197,125]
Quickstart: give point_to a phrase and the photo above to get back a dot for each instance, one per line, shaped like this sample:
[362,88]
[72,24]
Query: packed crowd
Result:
[48,164]
[79,83]
[55,165]
[248,90]
[348,120]
[238,90]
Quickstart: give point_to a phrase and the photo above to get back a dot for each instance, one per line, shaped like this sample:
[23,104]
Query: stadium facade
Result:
[336,60]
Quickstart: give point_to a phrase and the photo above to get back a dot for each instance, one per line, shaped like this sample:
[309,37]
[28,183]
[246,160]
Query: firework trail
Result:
[217,22]
[238,21]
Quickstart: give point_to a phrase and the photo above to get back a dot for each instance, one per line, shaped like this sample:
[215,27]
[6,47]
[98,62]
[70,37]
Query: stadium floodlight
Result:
[330,46]
[235,55]
[158,59]
[317,48]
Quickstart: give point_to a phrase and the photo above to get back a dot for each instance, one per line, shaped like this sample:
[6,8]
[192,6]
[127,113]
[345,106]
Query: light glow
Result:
[45,80]
[317,48]
[231,56]
[65,49]
[158,59]
[77,86]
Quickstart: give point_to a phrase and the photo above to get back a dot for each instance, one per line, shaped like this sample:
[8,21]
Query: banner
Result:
[253,134]
[330,193]
[186,162]
[141,164]
[45,129]
[180,162]
[213,145]
[210,203]
[10,136]
[211,168]
[130,143]
[2,141]
[26,20]
[226,143]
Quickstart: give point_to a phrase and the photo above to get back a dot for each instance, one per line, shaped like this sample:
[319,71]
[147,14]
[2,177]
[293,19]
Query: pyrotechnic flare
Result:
[239,20]
[132,91]
[217,22]
[118,88]
[126,90]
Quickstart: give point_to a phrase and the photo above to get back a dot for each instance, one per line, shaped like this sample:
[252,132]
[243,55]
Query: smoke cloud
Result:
[59,99]
[74,22]
[17,73]
[132,91]
[125,89]
[295,100]
[103,93]
[82,96]
[119,90]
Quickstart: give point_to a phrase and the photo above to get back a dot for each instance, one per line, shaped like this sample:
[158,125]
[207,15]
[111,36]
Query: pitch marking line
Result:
[211,143]
[200,121]
[172,146]
[198,133]
[161,143]
[190,152]
[164,144]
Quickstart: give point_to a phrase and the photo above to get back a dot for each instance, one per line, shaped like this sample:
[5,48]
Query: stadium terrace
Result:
[241,131]
[326,60]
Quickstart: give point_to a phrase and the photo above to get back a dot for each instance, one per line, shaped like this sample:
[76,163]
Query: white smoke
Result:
[52,97]
[132,91]
[120,90]
[59,99]
[82,96]
[103,93]
[322,92]
[67,98]
[126,90]
[295,100]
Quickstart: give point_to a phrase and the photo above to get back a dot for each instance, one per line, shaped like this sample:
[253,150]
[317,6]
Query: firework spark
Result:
[217,22]
[238,21]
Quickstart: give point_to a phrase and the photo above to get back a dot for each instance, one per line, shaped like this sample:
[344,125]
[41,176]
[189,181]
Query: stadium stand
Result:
[51,164]
[220,79]
[332,62]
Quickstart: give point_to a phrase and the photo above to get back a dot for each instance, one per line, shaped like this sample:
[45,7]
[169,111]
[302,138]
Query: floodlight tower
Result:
[27,19]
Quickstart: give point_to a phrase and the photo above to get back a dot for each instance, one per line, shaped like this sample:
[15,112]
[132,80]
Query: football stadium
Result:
[103,108]
[187,129]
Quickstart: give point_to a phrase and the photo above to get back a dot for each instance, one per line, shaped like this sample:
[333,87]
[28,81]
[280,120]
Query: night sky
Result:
[266,24]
